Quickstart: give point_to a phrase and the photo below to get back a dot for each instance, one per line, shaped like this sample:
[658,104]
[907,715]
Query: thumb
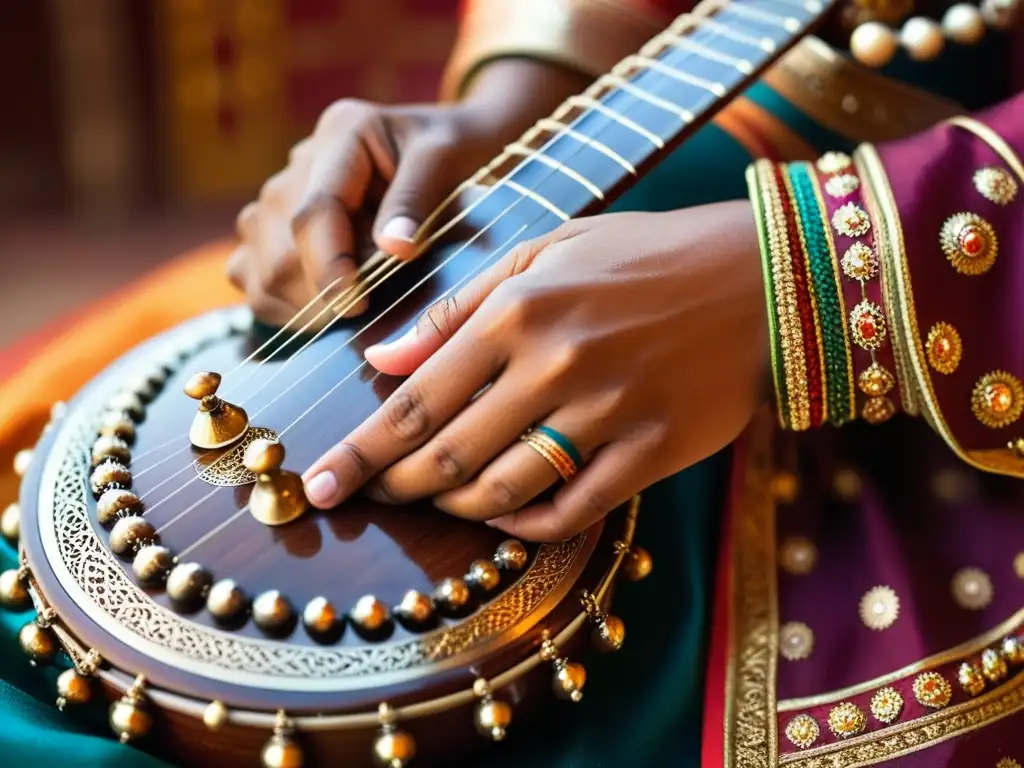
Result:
[423,178]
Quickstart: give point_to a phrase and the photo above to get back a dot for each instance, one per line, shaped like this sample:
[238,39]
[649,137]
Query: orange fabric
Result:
[60,360]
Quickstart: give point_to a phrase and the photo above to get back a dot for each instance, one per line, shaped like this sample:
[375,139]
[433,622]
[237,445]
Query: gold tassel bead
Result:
[128,716]
[73,688]
[14,595]
[38,643]
[10,522]
[282,751]
[393,748]
[638,564]
[569,679]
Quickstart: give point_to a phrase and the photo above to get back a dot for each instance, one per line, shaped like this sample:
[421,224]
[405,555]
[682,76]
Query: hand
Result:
[640,337]
[391,165]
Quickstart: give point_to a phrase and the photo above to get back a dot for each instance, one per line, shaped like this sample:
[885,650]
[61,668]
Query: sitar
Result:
[166,547]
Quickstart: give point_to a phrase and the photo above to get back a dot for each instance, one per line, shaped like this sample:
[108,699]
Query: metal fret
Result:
[787,23]
[553,126]
[658,66]
[537,199]
[689,21]
[687,44]
[589,102]
[524,151]
[623,84]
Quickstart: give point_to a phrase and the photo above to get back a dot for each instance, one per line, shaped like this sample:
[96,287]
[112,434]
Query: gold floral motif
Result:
[859,262]
[972,589]
[851,220]
[970,243]
[875,381]
[993,666]
[1012,649]
[784,487]
[867,325]
[846,720]
[944,348]
[842,185]
[798,555]
[796,641]
[971,679]
[803,731]
[932,690]
[998,399]
[879,608]
[834,162]
[995,184]
[886,705]
[1007,762]
[878,410]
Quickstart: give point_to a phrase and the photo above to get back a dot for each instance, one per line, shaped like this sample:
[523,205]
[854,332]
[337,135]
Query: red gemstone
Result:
[972,241]
[941,347]
[866,326]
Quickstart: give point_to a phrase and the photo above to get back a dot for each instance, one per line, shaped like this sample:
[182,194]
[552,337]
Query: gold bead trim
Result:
[833,162]
[972,589]
[846,720]
[802,731]
[995,184]
[878,410]
[953,236]
[993,666]
[932,690]
[944,348]
[842,185]
[859,262]
[867,315]
[1007,762]
[851,220]
[796,641]
[998,399]
[798,555]
[875,381]
[970,678]
[879,608]
[886,705]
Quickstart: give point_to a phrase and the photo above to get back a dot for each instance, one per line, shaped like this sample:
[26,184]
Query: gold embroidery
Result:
[796,641]
[859,262]
[867,325]
[993,666]
[972,588]
[875,381]
[803,731]
[879,608]
[995,184]
[998,399]
[970,243]
[886,705]
[914,735]
[846,720]
[971,679]
[878,410]
[798,555]
[833,162]
[932,690]
[851,220]
[944,348]
[842,185]
[1007,762]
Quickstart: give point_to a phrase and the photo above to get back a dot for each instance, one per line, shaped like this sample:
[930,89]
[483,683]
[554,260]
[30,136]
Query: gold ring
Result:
[556,456]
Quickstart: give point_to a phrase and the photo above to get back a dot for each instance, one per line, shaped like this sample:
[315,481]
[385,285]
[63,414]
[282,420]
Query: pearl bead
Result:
[492,718]
[129,719]
[963,24]
[226,601]
[272,612]
[188,583]
[73,688]
[152,563]
[511,555]
[922,38]
[999,14]
[873,44]
[38,643]
[13,594]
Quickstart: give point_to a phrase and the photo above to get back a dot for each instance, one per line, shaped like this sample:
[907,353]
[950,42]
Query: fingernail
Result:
[320,488]
[400,228]
[405,338]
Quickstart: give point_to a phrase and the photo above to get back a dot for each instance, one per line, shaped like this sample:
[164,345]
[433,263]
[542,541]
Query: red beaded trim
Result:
[812,354]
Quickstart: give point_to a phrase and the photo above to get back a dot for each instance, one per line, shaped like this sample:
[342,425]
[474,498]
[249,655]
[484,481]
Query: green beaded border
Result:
[826,290]
[761,219]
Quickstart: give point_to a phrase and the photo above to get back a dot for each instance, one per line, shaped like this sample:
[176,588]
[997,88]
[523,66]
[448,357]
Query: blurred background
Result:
[132,130]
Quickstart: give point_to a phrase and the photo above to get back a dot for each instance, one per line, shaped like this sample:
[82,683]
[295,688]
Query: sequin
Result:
[998,399]
[798,555]
[1012,649]
[879,608]
[944,348]
[886,705]
[842,185]
[834,162]
[851,220]
[993,666]
[846,720]
[971,679]
[932,690]
[859,262]
[875,381]
[970,243]
[878,410]
[803,731]
[867,324]
[972,589]
[796,641]
[995,184]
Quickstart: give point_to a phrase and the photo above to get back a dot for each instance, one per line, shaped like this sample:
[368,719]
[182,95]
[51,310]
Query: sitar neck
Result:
[597,143]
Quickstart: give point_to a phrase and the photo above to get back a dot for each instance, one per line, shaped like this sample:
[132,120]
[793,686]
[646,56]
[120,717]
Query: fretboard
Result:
[599,142]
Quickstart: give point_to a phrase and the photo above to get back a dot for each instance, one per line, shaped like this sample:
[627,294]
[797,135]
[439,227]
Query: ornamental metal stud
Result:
[128,716]
[511,555]
[216,715]
[608,633]
[569,677]
[281,751]
[278,496]
[14,594]
[73,688]
[416,609]
[188,584]
[38,642]
[393,748]
[116,503]
[10,523]
[226,601]
[272,612]
[452,594]
[322,621]
[218,422]
[492,716]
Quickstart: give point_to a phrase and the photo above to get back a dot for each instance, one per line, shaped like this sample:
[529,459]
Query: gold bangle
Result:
[993,139]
